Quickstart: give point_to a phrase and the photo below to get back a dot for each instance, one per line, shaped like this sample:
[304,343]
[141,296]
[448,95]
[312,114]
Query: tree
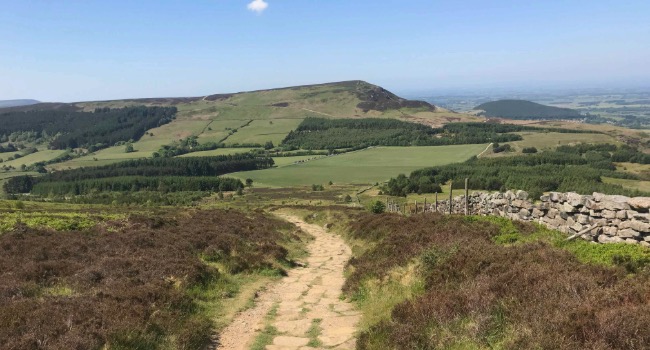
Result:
[249,182]
[529,150]
[268,145]
[378,207]
[348,199]
[129,148]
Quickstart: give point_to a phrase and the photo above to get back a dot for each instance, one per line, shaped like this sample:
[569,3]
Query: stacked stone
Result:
[608,219]
[598,217]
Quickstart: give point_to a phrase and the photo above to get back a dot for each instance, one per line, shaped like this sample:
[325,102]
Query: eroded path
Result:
[304,307]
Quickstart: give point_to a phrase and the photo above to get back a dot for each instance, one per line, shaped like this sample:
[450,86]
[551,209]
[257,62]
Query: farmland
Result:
[30,159]
[361,167]
[550,140]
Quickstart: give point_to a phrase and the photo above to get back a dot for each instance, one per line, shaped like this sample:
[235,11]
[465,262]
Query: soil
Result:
[308,295]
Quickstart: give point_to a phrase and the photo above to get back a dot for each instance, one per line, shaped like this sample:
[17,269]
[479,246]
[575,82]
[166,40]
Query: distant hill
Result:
[338,96]
[370,97]
[520,109]
[17,103]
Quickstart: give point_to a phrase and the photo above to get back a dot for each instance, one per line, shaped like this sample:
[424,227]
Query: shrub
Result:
[378,207]
[134,287]
[480,294]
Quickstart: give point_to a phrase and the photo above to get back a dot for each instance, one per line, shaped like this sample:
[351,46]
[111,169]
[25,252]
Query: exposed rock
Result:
[642,203]
[537,213]
[608,214]
[640,226]
[628,233]
[567,208]
[639,216]
[575,199]
[592,204]
[524,213]
[625,224]
[599,222]
[615,202]
[522,195]
[577,227]
[556,196]
[610,230]
[582,219]
[598,196]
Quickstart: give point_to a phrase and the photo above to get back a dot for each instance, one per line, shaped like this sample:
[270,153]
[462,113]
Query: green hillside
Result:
[247,119]
[520,109]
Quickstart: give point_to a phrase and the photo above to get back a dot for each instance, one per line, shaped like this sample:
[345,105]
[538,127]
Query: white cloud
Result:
[258,6]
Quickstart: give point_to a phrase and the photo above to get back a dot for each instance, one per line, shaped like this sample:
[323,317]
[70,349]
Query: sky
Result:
[81,50]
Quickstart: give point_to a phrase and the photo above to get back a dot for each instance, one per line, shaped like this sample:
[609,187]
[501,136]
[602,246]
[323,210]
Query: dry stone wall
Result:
[598,217]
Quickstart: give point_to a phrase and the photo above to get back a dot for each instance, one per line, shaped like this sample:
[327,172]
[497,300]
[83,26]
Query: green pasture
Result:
[551,140]
[288,161]
[217,130]
[218,152]
[634,168]
[361,167]
[548,140]
[629,184]
[40,156]
[261,131]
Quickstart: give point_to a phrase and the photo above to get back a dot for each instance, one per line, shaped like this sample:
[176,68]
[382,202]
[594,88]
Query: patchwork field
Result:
[362,167]
[553,139]
[261,131]
[550,140]
[36,157]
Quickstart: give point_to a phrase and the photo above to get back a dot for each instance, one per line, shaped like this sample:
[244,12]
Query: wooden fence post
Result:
[416,207]
[425,205]
[466,197]
[436,208]
[451,205]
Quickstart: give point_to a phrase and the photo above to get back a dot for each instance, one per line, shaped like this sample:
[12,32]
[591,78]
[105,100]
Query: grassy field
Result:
[261,131]
[362,167]
[36,157]
[634,168]
[629,184]
[218,152]
[288,161]
[551,140]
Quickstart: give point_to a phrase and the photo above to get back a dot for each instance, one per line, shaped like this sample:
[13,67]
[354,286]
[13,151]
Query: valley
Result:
[257,220]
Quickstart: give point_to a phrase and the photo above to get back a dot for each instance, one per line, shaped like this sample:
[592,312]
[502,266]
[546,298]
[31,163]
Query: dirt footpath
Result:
[308,313]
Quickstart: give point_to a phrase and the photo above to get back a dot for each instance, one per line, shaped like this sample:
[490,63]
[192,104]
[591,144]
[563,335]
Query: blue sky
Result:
[65,50]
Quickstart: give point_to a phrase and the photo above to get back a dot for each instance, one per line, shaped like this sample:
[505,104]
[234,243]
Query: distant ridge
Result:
[521,109]
[370,98]
[17,103]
